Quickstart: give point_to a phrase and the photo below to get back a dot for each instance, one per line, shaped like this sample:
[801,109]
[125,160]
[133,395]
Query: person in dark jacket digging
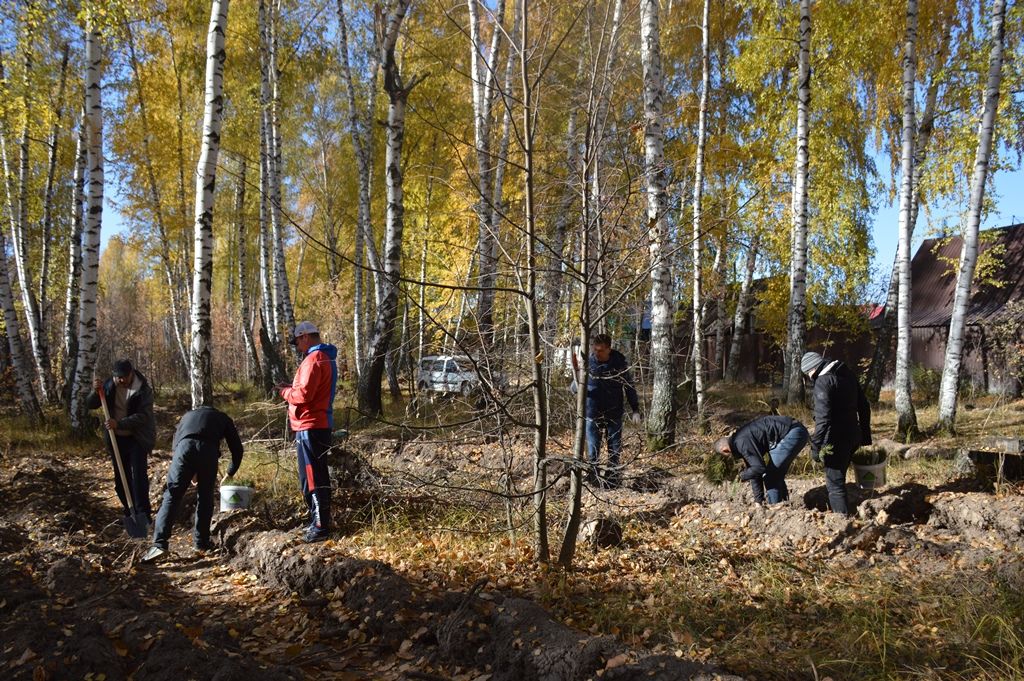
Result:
[767,446]
[130,401]
[842,422]
[608,378]
[196,452]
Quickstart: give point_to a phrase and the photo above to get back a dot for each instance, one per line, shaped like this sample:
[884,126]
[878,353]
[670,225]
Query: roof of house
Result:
[934,272]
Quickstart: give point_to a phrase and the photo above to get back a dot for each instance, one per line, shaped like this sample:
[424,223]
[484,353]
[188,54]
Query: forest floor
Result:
[425,580]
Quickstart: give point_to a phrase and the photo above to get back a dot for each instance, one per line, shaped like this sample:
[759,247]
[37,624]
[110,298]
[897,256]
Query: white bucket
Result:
[235,496]
[870,476]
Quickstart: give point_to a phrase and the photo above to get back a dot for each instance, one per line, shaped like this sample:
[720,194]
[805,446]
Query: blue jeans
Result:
[611,428]
[779,458]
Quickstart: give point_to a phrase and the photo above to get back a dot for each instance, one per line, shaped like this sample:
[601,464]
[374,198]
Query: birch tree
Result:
[206,177]
[22,373]
[798,262]
[19,237]
[483,74]
[906,417]
[73,290]
[369,389]
[661,420]
[969,254]
[361,131]
[93,224]
[698,190]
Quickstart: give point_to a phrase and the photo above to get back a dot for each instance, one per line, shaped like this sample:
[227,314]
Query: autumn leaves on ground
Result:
[424,580]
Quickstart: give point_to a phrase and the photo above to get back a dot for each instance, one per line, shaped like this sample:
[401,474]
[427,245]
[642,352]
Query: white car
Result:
[447,374]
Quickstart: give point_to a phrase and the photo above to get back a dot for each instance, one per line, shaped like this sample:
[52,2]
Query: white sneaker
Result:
[154,554]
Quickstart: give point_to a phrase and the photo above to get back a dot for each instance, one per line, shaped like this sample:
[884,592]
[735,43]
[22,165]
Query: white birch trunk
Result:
[206,177]
[286,313]
[398,93]
[91,237]
[22,375]
[72,295]
[362,143]
[906,417]
[743,305]
[661,421]
[19,240]
[483,83]
[795,343]
[969,254]
[698,191]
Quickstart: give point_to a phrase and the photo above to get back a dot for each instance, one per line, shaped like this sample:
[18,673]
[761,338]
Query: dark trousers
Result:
[189,460]
[136,469]
[610,427]
[836,464]
[311,447]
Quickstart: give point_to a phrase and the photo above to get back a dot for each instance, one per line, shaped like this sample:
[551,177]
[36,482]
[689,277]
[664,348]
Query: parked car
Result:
[447,374]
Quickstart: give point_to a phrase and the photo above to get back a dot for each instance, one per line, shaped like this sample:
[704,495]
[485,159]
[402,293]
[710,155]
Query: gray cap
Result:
[810,362]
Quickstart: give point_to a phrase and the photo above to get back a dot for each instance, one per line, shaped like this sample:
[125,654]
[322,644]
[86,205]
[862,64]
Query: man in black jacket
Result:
[196,452]
[608,378]
[842,421]
[768,446]
[130,401]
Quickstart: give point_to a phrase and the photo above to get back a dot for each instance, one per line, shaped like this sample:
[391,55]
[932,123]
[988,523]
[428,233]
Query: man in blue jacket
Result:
[607,379]
[767,446]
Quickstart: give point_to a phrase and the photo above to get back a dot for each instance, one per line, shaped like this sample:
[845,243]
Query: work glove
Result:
[635,417]
[815,455]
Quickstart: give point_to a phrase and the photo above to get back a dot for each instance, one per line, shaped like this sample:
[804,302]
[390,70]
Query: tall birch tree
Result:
[73,290]
[206,177]
[969,253]
[798,260]
[661,420]
[698,192]
[906,417]
[369,389]
[93,224]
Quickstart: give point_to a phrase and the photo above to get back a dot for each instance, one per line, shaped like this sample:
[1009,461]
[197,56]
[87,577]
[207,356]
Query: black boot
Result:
[320,511]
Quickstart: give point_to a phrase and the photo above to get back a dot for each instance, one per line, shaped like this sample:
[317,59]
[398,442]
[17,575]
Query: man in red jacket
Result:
[310,400]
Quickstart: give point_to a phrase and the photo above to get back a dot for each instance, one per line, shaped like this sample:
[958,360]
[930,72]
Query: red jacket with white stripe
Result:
[310,397]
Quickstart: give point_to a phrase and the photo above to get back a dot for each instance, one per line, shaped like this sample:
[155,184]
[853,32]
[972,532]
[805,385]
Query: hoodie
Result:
[310,397]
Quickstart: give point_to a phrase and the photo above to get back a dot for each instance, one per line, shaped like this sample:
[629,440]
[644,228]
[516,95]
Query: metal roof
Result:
[934,272]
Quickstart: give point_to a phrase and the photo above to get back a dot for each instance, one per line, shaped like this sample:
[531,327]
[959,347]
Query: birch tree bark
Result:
[206,178]
[661,420]
[906,417]
[362,142]
[72,295]
[173,288]
[887,331]
[969,254]
[484,76]
[743,305]
[22,373]
[93,224]
[797,322]
[282,291]
[698,191]
[19,240]
[369,389]
[19,361]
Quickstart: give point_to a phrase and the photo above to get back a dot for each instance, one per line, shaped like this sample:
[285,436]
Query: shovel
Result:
[135,523]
